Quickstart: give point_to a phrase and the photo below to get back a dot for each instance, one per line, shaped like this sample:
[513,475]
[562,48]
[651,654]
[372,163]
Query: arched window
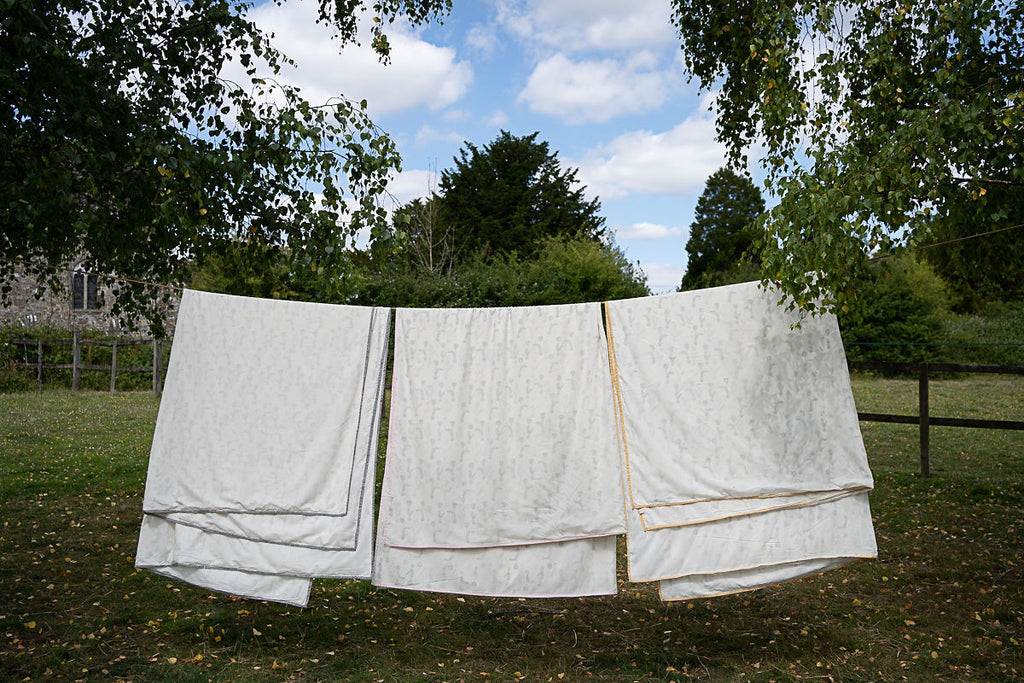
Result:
[83,291]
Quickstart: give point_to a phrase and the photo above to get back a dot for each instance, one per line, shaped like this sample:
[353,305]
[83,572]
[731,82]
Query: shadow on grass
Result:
[944,600]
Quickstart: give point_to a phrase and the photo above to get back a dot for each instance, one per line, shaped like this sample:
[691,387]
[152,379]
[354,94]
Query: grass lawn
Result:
[944,600]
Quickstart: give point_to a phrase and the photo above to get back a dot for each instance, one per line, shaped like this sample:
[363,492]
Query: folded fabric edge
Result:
[831,496]
[196,564]
[484,594]
[204,578]
[251,556]
[161,544]
[819,568]
[171,520]
[765,496]
[510,544]
[860,545]
[556,570]
[725,572]
[184,509]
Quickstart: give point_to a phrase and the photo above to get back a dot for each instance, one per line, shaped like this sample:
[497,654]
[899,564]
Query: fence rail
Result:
[923,419]
[77,366]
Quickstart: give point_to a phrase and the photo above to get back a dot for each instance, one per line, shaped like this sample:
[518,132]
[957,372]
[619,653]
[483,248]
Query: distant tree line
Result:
[903,300]
[508,226]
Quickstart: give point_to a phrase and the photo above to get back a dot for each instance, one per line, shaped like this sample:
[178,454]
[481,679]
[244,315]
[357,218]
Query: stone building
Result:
[83,302]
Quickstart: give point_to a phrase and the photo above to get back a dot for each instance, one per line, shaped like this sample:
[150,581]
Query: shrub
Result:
[904,306]
[562,271]
[994,336]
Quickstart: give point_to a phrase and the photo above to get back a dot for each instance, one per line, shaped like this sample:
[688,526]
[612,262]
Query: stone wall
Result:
[58,309]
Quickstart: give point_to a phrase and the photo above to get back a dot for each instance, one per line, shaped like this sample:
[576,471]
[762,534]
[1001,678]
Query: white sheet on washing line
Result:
[742,454]
[260,406]
[502,429]
[263,459]
[728,408]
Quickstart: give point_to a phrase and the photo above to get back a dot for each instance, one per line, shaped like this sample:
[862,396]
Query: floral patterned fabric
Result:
[740,438]
[502,474]
[716,429]
[724,399]
[502,430]
[264,454]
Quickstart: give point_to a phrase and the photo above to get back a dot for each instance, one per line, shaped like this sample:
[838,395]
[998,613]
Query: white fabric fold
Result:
[502,429]
[155,553]
[742,580]
[558,569]
[730,404]
[839,528]
[264,455]
[663,516]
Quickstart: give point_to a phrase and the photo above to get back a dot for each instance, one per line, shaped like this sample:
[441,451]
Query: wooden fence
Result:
[924,420]
[76,366]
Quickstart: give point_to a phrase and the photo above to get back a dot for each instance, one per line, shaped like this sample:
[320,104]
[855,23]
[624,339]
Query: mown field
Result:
[944,600]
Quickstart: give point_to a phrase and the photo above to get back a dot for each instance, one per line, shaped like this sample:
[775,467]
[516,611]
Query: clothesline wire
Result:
[966,344]
[952,241]
[182,288]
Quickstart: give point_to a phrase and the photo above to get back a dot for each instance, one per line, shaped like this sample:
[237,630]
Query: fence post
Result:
[39,363]
[923,412]
[113,367]
[156,367]
[76,361]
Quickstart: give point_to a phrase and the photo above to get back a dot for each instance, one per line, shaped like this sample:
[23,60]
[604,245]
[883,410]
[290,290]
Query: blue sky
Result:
[600,80]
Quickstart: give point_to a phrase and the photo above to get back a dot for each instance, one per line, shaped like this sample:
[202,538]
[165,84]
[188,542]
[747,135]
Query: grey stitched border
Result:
[371,446]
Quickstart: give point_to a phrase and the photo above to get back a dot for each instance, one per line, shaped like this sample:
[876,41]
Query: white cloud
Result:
[420,73]
[412,184]
[597,90]
[457,115]
[675,162]
[663,277]
[497,119]
[428,134]
[482,39]
[579,25]
[646,231]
